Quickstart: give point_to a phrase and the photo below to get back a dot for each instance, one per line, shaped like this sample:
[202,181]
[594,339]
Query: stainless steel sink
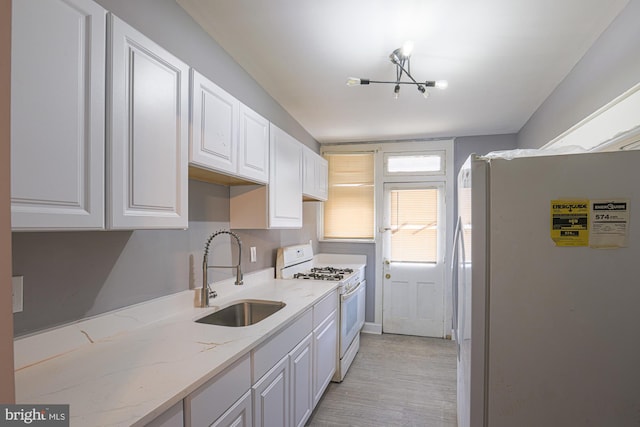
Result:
[242,313]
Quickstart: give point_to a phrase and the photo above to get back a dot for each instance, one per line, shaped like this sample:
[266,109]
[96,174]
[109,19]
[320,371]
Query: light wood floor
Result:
[395,380]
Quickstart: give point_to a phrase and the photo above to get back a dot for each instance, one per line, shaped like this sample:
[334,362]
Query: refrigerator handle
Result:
[454,282]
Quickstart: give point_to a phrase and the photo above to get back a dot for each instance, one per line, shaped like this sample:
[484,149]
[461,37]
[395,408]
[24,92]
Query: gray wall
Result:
[484,144]
[609,68]
[72,275]
[466,145]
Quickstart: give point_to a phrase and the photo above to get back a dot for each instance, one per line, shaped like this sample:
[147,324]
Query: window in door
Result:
[414,225]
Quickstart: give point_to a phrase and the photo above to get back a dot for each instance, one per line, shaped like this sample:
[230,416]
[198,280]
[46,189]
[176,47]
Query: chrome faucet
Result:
[206,292]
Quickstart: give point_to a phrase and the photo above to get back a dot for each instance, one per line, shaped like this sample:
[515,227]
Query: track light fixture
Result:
[401,58]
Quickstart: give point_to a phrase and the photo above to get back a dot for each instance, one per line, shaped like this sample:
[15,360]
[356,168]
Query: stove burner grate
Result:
[318,276]
[331,270]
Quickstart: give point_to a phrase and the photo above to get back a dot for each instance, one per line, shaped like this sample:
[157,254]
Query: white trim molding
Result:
[609,125]
[372,328]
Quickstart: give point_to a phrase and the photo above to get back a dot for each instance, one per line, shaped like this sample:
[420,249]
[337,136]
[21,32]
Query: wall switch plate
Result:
[16,281]
[253,254]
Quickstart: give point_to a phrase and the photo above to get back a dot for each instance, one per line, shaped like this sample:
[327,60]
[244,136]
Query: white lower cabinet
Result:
[277,384]
[301,373]
[271,397]
[325,352]
[283,396]
[172,417]
[222,398]
[239,415]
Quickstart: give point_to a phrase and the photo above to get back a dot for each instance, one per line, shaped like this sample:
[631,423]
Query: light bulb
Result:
[442,84]
[407,48]
[396,92]
[353,81]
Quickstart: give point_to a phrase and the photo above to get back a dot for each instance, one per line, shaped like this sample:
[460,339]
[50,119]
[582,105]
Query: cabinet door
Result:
[315,175]
[57,115]
[301,371]
[271,397]
[239,415]
[285,180]
[214,126]
[253,153]
[325,354]
[147,133]
[322,178]
[308,172]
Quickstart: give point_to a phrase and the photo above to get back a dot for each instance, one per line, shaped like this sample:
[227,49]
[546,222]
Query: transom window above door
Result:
[419,163]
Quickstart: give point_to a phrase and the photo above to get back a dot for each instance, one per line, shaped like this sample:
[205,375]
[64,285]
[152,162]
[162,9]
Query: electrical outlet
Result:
[16,281]
[253,254]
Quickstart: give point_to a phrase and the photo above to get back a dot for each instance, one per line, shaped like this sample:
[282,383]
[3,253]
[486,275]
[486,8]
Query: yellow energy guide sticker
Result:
[570,222]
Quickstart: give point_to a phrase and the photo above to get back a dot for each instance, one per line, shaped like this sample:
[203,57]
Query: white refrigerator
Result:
[546,291]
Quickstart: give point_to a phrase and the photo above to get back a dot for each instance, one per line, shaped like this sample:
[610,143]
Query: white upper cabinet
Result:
[279,204]
[285,180]
[57,115]
[226,136]
[214,126]
[253,153]
[147,139]
[315,176]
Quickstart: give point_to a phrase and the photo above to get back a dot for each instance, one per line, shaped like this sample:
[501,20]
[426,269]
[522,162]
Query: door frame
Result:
[448,177]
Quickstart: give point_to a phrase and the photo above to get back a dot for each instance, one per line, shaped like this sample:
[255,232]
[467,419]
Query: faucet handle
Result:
[212,293]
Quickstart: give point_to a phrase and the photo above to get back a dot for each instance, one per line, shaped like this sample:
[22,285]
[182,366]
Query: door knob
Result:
[387,276]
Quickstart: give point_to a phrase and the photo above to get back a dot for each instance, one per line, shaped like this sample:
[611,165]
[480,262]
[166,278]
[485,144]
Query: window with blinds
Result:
[414,225]
[349,210]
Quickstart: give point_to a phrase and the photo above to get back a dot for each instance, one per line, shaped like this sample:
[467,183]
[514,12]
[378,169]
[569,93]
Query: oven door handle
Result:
[352,291]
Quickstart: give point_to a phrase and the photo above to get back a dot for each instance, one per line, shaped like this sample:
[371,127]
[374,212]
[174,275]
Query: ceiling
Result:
[502,58]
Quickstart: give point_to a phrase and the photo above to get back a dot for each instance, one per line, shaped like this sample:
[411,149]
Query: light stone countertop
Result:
[128,366]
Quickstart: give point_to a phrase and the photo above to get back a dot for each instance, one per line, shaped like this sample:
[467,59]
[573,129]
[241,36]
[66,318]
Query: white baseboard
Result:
[372,328]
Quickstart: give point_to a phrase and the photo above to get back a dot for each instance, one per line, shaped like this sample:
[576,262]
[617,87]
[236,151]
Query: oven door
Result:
[350,312]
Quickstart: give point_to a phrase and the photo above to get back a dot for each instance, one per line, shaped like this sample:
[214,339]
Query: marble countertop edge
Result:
[128,366]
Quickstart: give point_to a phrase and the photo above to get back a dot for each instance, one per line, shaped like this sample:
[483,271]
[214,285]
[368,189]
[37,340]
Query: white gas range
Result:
[299,262]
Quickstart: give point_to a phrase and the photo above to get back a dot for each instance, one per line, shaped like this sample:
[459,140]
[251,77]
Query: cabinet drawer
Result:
[324,308]
[269,353]
[172,417]
[209,402]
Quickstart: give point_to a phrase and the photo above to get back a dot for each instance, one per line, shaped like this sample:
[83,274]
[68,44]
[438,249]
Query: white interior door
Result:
[413,272]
